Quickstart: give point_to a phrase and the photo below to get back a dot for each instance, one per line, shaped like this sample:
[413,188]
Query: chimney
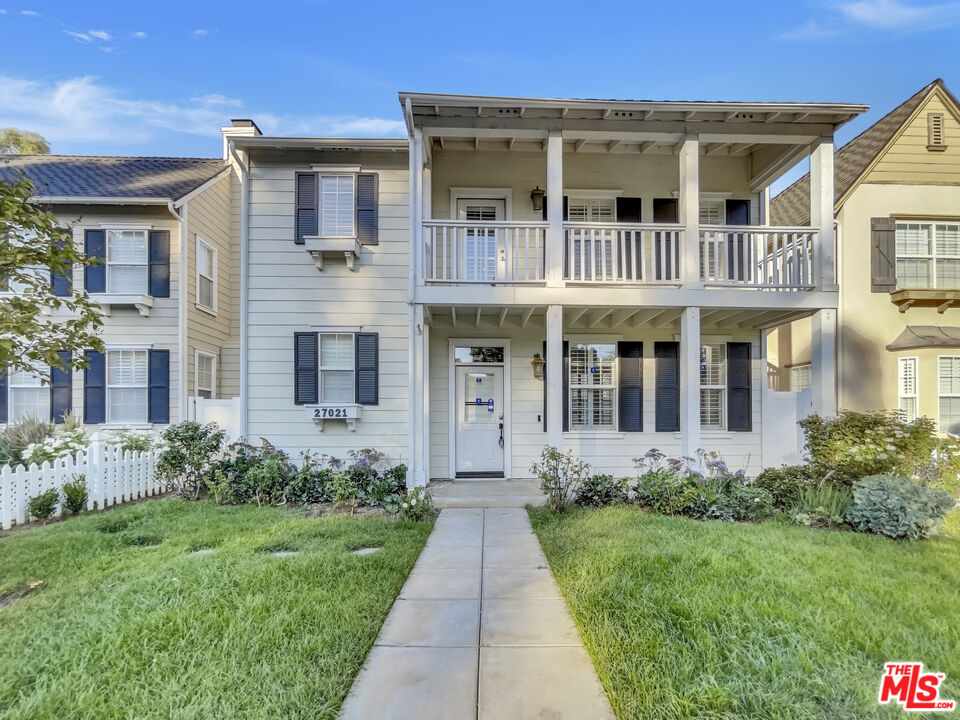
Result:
[239,127]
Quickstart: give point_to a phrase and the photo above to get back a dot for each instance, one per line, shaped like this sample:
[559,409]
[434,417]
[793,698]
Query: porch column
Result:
[690,381]
[418,205]
[553,255]
[821,212]
[823,365]
[690,211]
[418,466]
[554,376]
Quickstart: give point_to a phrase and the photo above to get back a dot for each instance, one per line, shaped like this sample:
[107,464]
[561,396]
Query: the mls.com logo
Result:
[915,690]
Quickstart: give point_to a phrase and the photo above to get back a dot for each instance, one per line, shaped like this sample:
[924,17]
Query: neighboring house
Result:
[162,227]
[897,203]
[594,275]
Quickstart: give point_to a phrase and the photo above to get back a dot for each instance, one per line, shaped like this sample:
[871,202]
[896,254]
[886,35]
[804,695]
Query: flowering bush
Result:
[560,475]
[68,438]
[136,441]
[190,448]
[416,505]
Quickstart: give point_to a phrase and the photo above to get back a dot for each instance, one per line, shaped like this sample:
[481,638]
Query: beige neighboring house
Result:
[166,287]
[897,205]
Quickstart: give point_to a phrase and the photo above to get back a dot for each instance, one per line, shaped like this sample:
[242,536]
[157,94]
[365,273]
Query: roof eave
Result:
[284,143]
[95,200]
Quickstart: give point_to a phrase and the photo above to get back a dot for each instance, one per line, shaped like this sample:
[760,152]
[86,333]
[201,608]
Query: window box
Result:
[317,246]
[142,303]
[334,411]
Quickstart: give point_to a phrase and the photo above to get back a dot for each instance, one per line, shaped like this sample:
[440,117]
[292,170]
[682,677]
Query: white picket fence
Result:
[112,476]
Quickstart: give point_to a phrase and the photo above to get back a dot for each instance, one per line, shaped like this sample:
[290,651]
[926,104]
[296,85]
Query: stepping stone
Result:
[285,553]
[365,551]
[203,551]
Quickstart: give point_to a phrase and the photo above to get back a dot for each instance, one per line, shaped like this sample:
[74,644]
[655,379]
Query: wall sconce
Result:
[536,195]
[538,364]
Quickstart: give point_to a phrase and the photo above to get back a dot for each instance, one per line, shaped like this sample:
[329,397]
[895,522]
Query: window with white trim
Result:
[127,386]
[799,377]
[206,276]
[40,273]
[206,379]
[713,211]
[949,392]
[127,261]
[29,394]
[337,209]
[593,386]
[713,386]
[336,367]
[928,255]
[907,388]
[595,210]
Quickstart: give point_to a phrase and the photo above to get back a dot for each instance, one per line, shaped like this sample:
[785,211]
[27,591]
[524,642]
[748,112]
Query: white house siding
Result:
[288,294]
[229,369]
[612,452]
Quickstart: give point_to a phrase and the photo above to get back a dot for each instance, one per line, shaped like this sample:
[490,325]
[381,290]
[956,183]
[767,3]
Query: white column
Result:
[690,211]
[823,363]
[554,241]
[821,212]
[690,381]
[554,376]
[417,470]
[425,404]
[418,205]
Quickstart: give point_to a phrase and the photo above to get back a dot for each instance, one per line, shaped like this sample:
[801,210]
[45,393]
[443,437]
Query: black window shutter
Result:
[666,210]
[367,369]
[160,263]
[95,276]
[883,254]
[667,355]
[307,202]
[566,386]
[630,388]
[61,388]
[306,362]
[61,284]
[158,407]
[737,212]
[3,395]
[566,243]
[95,388]
[739,415]
[367,199]
[628,210]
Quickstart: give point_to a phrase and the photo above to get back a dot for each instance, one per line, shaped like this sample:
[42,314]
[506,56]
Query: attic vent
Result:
[744,116]
[935,137]
[623,114]
[508,111]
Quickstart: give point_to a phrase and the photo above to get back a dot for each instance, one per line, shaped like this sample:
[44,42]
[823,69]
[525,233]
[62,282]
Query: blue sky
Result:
[159,78]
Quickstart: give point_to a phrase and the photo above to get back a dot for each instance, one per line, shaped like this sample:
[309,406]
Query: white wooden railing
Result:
[484,252]
[779,258]
[112,476]
[622,253]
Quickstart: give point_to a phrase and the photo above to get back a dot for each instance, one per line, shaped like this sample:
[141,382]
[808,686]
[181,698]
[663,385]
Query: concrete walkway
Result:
[480,630]
[486,493]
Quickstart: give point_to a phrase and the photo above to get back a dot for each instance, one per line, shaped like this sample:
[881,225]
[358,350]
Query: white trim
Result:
[336,328]
[940,395]
[200,188]
[183,317]
[215,270]
[197,353]
[125,226]
[915,395]
[334,169]
[588,340]
[593,194]
[482,193]
[108,387]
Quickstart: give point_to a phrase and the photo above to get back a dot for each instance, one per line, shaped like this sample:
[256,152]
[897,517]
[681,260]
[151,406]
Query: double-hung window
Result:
[595,210]
[206,276]
[127,386]
[949,391]
[29,394]
[593,386]
[713,386]
[206,379]
[799,377]
[907,388]
[337,211]
[127,261]
[336,365]
[928,255]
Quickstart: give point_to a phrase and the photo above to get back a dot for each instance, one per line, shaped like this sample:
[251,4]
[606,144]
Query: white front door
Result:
[480,419]
[480,257]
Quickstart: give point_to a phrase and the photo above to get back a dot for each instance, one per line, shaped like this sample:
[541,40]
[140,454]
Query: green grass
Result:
[688,619]
[120,629]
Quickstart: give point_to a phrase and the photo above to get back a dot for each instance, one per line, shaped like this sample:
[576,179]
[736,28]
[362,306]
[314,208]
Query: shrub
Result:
[310,483]
[344,490]
[896,507]
[44,505]
[68,438]
[75,494]
[822,507]
[189,449]
[560,475]
[600,490]
[18,436]
[786,484]
[416,505]
[133,441]
[668,485]
[742,501]
[266,481]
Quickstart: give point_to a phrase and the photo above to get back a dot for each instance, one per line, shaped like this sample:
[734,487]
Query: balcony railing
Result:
[771,258]
[484,252]
[622,253]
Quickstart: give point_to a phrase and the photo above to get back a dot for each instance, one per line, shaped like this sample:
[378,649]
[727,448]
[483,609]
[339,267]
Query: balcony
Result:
[771,258]
[485,252]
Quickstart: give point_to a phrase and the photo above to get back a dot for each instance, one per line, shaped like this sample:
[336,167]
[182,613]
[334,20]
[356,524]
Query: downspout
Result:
[180,212]
[839,280]
[244,274]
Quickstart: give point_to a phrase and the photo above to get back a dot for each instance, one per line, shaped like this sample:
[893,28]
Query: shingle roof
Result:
[83,176]
[792,206]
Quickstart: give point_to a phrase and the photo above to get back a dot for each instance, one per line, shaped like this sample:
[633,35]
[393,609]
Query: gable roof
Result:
[792,206]
[73,178]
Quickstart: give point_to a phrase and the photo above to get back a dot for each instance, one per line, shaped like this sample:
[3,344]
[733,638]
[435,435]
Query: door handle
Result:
[501,431]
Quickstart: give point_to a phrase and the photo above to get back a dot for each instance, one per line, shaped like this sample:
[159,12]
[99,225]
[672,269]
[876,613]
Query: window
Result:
[337,215]
[949,389]
[127,386]
[336,368]
[712,211]
[127,261]
[206,378]
[907,388]
[935,136]
[593,385]
[29,395]
[799,377]
[480,244]
[596,210]
[206,276]
[928,255]
[713,386]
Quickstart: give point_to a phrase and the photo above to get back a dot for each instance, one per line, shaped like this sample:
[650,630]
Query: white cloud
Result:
[810,30]
[78,35]
[30,13]
[882,15]
[100,34]
[3,12]
[82,110]
[139,35]
[200,33]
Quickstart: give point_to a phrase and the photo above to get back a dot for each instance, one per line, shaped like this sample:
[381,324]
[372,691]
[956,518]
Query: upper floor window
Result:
[127,261]
[928,255]
[29,396]
[593,386]
[597,210]
[713,385]
[337,213]
[206,276]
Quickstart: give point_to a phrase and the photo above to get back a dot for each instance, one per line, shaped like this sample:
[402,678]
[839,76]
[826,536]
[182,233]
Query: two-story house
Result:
[594,275]
[161,228]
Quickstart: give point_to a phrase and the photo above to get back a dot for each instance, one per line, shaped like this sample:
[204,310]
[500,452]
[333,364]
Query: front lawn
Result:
[688,619]
[130,622]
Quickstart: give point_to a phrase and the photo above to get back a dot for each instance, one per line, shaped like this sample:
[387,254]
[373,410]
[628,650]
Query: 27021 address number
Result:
[333,413]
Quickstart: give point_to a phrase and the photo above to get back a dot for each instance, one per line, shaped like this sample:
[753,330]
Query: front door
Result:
[481,256]
[479,411]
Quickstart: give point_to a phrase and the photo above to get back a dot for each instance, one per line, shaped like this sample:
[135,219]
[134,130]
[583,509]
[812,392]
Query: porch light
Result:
[538,365]
[536,195]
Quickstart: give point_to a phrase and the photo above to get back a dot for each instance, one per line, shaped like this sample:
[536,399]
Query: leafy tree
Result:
[22,142]
[30,243]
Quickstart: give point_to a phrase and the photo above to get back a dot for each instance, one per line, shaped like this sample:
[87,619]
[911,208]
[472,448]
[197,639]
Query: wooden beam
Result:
[644,315]
[428,314]
[510,143]
[607,113]
[759,319]
[478,316]
[944,306]
[503,316]
[715,149]
[613,145]
[595,320]
[667,316]
[579,144]
[738,148]
[689,115]
[622,316]
[644,146]
[576,317]
[526,317]
[780,163]
[722,316]
[476,142]
[453,315]
[772,116]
